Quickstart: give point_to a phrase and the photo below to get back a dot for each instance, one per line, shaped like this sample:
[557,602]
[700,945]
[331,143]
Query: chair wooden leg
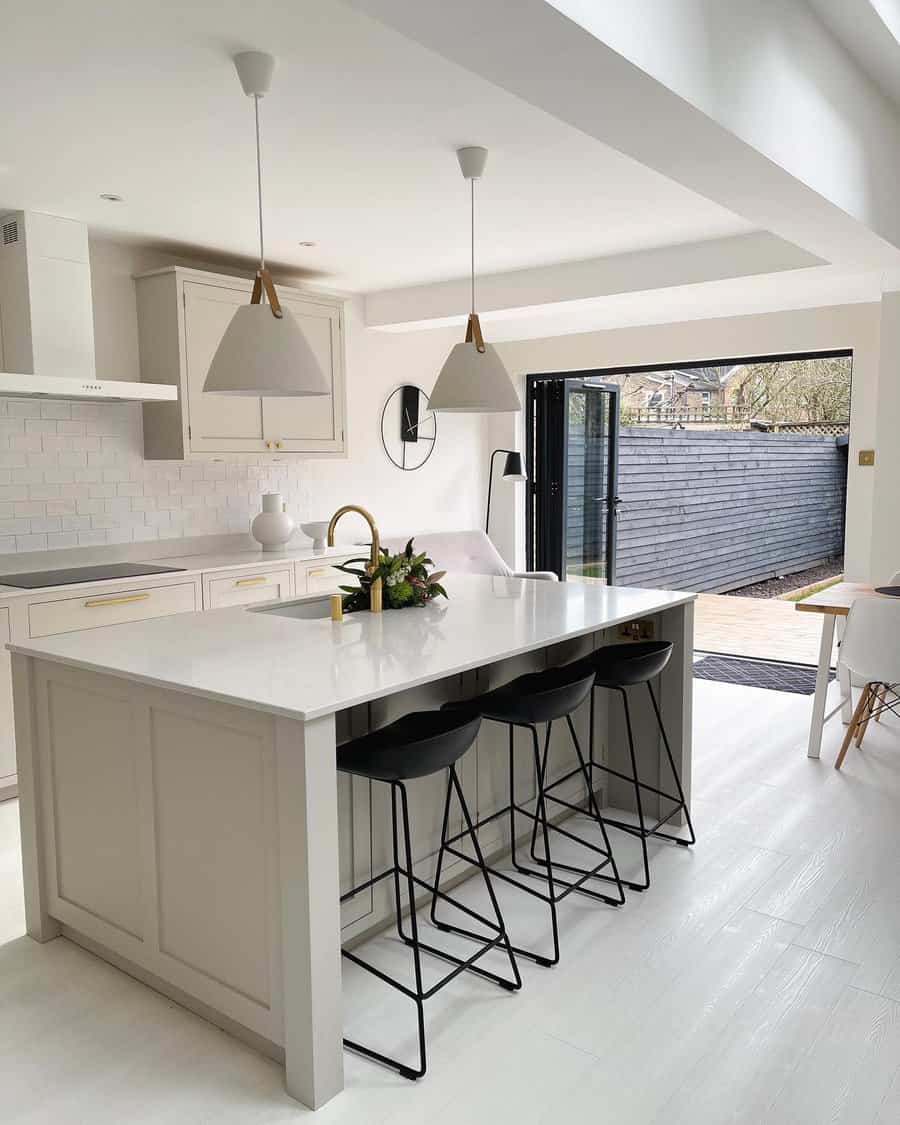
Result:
[854,723]
[874,699]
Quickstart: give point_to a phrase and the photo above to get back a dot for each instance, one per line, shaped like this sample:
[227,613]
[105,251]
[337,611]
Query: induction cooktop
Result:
[38,578]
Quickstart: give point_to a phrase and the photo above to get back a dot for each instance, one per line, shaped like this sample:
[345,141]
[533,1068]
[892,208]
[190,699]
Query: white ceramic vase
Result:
[273,526]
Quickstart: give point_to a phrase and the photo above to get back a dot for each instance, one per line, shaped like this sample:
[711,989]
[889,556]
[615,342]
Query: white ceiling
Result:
[869,30]
[140,99]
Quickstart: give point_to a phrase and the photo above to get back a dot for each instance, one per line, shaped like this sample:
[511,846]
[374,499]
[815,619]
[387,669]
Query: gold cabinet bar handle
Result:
[318,571]
[123,600]
[249,581]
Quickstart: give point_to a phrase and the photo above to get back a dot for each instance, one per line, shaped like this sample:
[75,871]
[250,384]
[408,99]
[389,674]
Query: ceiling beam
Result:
[520,291]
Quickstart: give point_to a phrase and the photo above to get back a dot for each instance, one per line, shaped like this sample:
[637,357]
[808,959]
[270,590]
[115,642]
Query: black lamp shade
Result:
[513,469]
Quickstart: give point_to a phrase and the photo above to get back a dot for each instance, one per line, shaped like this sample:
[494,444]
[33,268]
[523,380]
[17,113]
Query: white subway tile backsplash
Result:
[62,539]
[31,542]
[51,523]
[95,539]
[72,474]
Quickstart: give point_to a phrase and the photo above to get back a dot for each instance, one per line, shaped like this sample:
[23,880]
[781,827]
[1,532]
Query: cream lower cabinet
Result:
[63,611]
[7,739]
[244,587]
[324,577]
[182,317]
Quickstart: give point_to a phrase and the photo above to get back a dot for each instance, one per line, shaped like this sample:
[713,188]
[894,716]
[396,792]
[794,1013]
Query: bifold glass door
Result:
[572,432]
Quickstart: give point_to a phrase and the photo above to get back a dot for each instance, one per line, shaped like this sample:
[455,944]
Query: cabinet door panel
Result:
[314,421]
[7,735]
[215,419]
[247,587]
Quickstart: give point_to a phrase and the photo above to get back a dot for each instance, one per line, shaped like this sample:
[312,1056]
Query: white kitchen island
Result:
[182,815]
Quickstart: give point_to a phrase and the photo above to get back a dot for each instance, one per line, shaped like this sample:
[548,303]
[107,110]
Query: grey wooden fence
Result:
[716,510]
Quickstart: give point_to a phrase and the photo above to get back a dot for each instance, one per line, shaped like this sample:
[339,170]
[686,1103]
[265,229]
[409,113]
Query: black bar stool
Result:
[417,745]
[541,697]
[615,668]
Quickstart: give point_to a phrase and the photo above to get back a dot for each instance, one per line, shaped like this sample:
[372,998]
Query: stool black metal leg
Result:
[637,795]
[445,825]
[512,796]
[594,808]
[414,926]
[539,781]
[482,867]
[417,995]
[453,783]
[591,760]
[678,785]
[471,827]
[541,812]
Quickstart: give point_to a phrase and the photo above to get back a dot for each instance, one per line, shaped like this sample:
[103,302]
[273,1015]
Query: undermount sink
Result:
[306,609]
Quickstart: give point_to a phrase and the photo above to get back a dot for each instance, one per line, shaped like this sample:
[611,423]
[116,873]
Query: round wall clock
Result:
[408,427]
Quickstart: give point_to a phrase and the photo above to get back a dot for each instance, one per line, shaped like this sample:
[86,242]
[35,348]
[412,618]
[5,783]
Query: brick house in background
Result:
[694,389]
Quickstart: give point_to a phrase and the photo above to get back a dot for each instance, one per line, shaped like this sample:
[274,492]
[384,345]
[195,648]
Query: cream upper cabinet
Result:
[182,316]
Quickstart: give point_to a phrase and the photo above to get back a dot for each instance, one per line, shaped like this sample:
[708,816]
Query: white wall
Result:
[872,545]
[72,474]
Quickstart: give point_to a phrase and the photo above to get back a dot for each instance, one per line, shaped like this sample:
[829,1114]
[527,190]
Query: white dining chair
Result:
[891,691]
[871,651]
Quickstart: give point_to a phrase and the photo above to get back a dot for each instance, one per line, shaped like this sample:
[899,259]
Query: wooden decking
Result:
[759,627]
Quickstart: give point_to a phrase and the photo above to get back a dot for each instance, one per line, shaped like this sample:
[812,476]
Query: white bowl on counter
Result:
[317,531]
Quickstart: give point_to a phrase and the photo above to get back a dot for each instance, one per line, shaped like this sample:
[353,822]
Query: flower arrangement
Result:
[405,580]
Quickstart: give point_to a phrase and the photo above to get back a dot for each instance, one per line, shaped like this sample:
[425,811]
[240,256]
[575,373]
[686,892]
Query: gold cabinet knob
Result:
[278,445]
[268,445]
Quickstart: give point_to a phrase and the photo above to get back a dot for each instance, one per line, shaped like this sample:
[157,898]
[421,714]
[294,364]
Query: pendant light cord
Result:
[472,228]
[262,253]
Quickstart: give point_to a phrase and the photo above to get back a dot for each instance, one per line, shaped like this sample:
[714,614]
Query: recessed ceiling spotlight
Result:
[111,198]
[306,244]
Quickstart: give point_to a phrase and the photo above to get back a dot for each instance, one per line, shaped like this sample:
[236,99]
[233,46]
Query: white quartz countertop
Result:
[308,668]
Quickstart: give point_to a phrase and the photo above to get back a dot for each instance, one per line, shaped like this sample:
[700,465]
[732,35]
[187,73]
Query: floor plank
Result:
[763,1045]
[849,1070]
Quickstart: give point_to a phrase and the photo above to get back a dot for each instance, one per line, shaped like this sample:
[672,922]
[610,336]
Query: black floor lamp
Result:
[513,469]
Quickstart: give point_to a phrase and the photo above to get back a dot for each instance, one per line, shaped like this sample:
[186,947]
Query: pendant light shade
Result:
[269,354]
[264,351]
[474,382]
[473,378]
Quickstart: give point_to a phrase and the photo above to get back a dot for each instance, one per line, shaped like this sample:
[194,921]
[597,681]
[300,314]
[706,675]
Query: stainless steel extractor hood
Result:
[46,315]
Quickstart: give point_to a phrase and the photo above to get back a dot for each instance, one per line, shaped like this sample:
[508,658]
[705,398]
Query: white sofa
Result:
[467,551]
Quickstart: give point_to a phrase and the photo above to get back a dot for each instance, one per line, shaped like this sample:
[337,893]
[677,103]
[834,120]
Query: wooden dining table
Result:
[833,603]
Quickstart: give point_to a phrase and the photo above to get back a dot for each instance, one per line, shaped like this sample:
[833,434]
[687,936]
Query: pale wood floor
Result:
[760,627]
[758,982]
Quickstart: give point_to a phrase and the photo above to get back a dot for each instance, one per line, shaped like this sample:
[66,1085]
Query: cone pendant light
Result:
[264,351]
[473,378]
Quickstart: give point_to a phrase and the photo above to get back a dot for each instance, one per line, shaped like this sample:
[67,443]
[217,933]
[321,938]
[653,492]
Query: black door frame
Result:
[531,382]
[542,544]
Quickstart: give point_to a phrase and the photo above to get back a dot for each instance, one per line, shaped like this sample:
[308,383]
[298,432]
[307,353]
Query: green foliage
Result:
[405,578]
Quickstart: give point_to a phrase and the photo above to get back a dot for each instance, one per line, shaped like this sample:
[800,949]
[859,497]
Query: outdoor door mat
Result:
[799,679]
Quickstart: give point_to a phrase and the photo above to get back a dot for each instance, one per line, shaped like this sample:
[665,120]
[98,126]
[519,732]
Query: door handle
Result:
[124,600]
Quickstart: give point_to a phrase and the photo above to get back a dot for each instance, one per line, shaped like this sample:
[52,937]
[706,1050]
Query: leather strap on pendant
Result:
[473,332]
[263,280]
[270,293]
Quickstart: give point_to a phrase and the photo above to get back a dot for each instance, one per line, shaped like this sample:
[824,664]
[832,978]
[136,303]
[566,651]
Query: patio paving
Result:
[760,627]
